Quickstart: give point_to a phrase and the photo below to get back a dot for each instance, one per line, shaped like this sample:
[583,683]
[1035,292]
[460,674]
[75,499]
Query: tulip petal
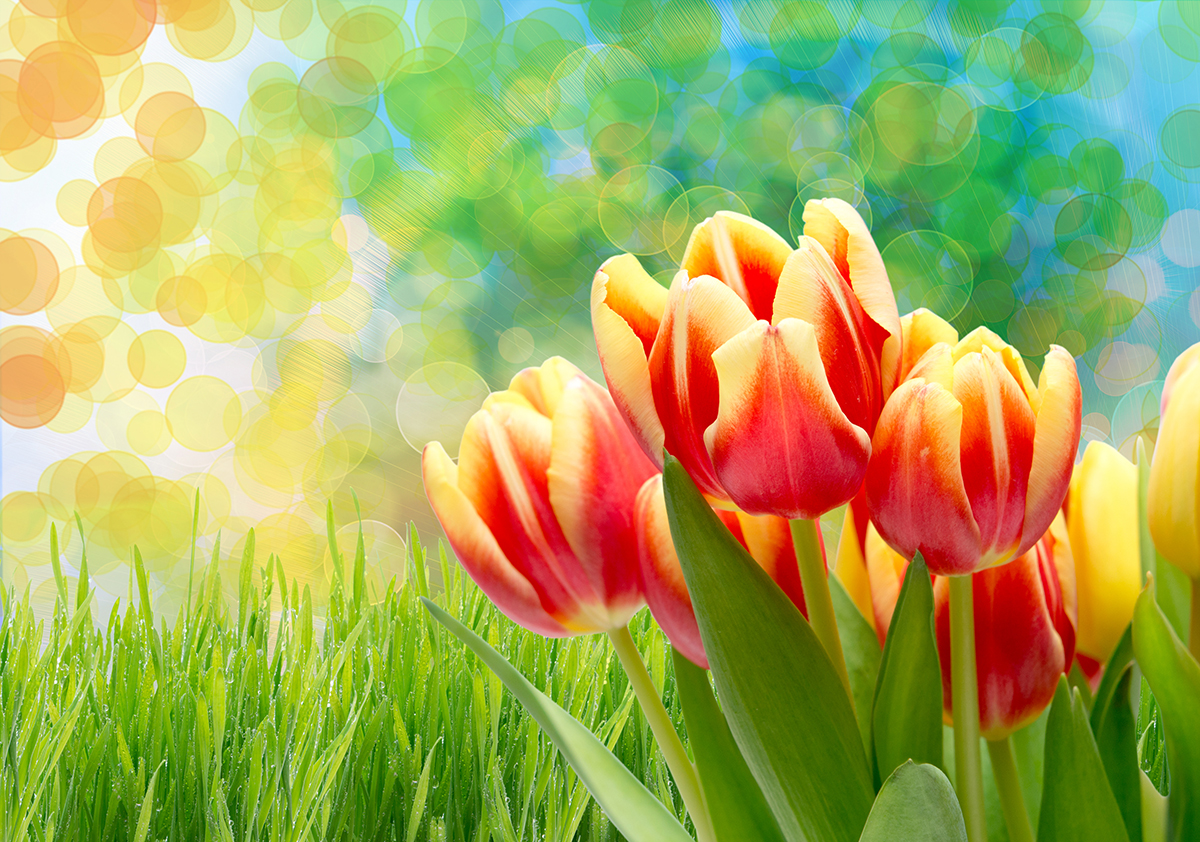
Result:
[596,470]
[477,549]
[811,289]
[886,569]
[1174,497]
[1019,654]
[702,314]
[921,330]
[851,568]
[997,449]
[936,366]
[503,460]
[1186,361]
[837,226]
[780,443]
[1059,416]
[666,591]
[982,337]
[1103,522]
[768,539]
[627,306]
[742,253]
[542,386]
[915,488]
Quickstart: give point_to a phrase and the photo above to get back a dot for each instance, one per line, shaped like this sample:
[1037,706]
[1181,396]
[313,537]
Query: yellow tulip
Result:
[1173,505]
[1102,523]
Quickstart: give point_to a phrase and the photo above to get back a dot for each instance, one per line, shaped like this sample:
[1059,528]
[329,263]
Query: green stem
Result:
[815,581]
[1008,784]
[1194,634]
[1154,811]
[964,687]
[664,732]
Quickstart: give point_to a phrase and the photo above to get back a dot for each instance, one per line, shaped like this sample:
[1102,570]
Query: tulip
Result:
[1102,520]
[971,460]
[1173,503]
[768,539]
[763,368]
[870,570]
[1024,639]
[539,508]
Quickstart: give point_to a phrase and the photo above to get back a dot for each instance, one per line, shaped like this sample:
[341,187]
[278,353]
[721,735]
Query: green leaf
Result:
[784,702]
[147,811]
[860,645]
[735,803]
[1114,727]
[907,710]
[1174,676]
[1077,802]
[916,804]
[1152,742]
[418,807]
[638,815]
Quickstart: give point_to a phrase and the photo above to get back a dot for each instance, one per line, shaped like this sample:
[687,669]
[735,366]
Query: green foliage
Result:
[860,645]
[639,816]
[907,713]
[915,804]
[265,721]
[1174,676]
[1112,721]
[786,706]
[735,802]
[1077,802]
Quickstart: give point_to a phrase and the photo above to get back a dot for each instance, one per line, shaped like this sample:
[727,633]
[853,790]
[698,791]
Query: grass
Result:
[245,721]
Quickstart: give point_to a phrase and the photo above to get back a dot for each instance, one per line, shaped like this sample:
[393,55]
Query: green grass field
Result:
[245,721]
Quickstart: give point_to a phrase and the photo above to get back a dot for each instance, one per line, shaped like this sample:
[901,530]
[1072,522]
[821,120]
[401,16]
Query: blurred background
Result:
[265,250]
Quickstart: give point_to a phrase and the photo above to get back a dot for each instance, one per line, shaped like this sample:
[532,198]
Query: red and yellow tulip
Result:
[540,507]
[1024,639]
[767,538]
[1173,504]
[763,368]
[871,572]
[971,461]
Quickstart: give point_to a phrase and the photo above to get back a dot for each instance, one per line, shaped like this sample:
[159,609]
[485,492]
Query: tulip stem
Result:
[815,581]
[964,686]
[1008,784]
[1194,633]
[664,732]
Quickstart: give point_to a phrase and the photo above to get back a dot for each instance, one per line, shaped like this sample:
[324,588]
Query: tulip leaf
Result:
[788,710]
[633,810]
[916,804]
[1077,803]
[907,712]
[1174,676]
[735,803]
[861,647]
[1113,725]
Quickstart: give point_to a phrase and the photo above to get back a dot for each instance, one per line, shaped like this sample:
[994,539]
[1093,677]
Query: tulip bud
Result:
[768,539]
[1173,504]
[539,508]
[763,369]
[1102,520]
[1024,640]
[970,460]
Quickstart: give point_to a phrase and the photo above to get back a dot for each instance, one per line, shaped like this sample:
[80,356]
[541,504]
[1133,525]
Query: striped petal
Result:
[1173,505]
[982,337]
[838,227]
[1056,440]
[921,330]
[702,314]
[850,342]
[996,451]
[503,460]
[742,253]
[542,386]
[915,489]
[627,307]
[769,540]
[477,549]
[1019,654]
[596,469]
[780,443]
